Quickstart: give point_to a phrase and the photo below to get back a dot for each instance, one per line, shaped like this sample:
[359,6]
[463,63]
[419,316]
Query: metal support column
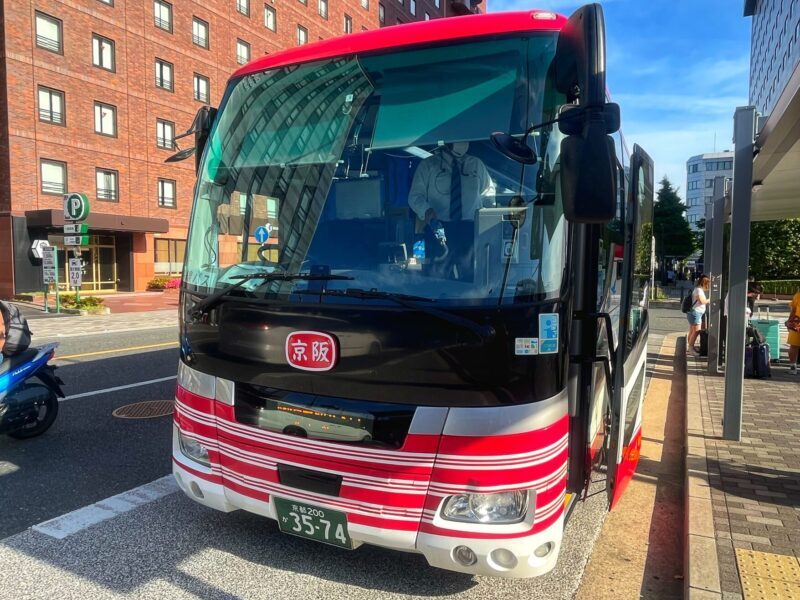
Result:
[713,260]
[744,123]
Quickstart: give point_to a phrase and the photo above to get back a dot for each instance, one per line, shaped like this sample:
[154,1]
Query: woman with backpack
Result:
[696,311]
[793,325]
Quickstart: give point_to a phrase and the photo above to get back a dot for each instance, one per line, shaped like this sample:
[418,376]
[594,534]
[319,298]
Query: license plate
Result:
[312,522]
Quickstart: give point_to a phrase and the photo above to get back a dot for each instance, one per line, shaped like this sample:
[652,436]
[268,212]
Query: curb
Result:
[701,564]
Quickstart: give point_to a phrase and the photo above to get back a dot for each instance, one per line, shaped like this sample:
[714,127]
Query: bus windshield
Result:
[380,168]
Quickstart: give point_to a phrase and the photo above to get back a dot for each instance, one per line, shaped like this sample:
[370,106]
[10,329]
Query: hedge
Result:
[781,286]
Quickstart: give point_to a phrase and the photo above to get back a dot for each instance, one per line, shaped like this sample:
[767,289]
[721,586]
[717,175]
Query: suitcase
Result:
[756,361]
[702,335]
[770,329]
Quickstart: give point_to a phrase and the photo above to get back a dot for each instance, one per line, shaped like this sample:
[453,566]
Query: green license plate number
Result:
[312,522]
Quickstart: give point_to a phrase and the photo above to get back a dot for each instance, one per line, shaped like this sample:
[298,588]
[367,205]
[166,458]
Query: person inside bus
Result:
[450,186]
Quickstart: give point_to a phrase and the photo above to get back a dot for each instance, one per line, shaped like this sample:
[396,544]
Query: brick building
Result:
[397,12]
[92,93]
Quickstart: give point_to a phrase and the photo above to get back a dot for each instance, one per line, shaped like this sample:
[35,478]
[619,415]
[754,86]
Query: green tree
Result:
[775,249]
[672,232]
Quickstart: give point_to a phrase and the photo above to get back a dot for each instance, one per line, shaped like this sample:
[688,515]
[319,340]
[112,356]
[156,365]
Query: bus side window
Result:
[643,232]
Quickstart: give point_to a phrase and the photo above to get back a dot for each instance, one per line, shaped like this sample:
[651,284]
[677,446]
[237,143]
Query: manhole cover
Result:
[145,410]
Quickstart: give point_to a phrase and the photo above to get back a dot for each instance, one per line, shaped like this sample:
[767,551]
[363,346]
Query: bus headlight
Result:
[502,507]
[193,449]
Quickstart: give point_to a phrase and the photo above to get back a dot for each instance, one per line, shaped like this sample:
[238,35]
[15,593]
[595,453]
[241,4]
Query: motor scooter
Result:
[28,408]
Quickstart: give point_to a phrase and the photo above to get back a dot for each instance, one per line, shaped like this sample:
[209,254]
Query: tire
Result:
[43,423]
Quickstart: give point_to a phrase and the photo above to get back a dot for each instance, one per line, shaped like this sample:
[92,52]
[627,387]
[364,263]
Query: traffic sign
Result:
[262,233]
[48,264]
[75,272]
[36,247]
[76,207]
[76,240]
[76,228]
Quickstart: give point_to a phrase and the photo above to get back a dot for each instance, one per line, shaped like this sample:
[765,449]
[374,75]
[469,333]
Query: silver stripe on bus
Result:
[225,391]
[196,382]
[505,420]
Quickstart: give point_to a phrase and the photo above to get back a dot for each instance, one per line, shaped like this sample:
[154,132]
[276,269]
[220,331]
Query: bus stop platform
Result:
[743,498]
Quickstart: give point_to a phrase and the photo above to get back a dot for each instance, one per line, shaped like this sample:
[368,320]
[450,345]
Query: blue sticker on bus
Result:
[548,326]
[548,346]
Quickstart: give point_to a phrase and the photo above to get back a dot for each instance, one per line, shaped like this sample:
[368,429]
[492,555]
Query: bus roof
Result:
[420,32]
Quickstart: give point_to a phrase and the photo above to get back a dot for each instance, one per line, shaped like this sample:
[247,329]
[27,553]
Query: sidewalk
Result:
[124,302]
[743,499]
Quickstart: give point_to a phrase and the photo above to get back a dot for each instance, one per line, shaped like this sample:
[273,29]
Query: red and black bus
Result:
[414,307]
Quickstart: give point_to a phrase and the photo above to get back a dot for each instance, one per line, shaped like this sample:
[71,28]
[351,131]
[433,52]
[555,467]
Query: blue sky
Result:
[678,69]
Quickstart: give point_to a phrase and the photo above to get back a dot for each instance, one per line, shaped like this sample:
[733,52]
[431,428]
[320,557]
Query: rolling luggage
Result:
[770,329]
[756,360]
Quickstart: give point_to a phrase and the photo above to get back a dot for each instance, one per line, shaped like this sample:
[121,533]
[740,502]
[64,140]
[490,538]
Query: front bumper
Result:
[205,485]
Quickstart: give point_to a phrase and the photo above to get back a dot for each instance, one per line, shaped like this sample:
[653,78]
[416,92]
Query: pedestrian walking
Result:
[698,309]
[793,325]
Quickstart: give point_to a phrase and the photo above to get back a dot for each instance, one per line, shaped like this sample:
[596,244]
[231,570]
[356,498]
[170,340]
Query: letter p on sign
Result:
[76,207]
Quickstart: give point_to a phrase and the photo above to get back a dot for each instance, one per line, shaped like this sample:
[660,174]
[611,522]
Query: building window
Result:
[427,17]
[323,8]
[243,6]
[162,15]
[169,256]
[103,52]
[270,18]
[48,33]
[109,2]
[201,88]
[302,35]
[381,13]
[105,119]
[199,32]
[709,183]
[242,52]
[165,134]
[51,106]
[166,193]
[437,3]
[365,4]
[163,74]
[412,6]
[107,185]
[54,176]
[348,24]
[303,2]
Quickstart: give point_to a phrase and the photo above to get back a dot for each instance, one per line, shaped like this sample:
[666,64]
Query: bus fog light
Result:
[464,556]
[502,507]
[194,450]
[543,550]
[503,558]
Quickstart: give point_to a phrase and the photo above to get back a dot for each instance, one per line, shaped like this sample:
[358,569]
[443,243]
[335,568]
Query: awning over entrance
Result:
[776,168]
[99,221]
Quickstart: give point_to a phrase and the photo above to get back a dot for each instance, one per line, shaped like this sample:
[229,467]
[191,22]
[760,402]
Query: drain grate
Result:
[145,410]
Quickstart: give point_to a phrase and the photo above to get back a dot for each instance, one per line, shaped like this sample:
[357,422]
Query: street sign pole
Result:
[58,297]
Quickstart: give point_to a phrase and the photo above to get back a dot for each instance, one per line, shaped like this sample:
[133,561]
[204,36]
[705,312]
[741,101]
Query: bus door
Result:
[631,352]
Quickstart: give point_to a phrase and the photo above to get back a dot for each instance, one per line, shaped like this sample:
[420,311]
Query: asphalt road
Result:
[175,548]
[88,454]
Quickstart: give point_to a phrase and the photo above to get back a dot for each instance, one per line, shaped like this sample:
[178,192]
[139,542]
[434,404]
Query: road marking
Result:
[85,517]
[128,349]
[58,336]
[117,388]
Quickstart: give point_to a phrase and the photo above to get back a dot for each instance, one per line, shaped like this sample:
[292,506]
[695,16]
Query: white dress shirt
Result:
[430,187]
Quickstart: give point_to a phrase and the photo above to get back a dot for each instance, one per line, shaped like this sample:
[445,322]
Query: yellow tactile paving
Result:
[767,576]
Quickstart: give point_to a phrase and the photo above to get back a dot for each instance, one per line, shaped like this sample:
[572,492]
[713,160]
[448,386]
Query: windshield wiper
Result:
[484,333]
[209,302]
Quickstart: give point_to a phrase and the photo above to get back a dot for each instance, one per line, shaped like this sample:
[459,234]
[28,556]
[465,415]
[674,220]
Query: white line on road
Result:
[85,517]
[58,336]
[117,388]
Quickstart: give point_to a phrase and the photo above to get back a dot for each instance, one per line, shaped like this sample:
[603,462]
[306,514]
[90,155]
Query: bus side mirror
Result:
[203,121]
[588,175]
[201,128]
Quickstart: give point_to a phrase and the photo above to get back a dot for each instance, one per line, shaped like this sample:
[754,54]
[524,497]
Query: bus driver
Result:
[450,186]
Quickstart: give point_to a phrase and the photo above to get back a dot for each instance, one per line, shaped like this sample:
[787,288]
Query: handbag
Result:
[793,323]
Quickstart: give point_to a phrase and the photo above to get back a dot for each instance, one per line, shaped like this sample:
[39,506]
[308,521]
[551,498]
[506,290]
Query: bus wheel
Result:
[295,431]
